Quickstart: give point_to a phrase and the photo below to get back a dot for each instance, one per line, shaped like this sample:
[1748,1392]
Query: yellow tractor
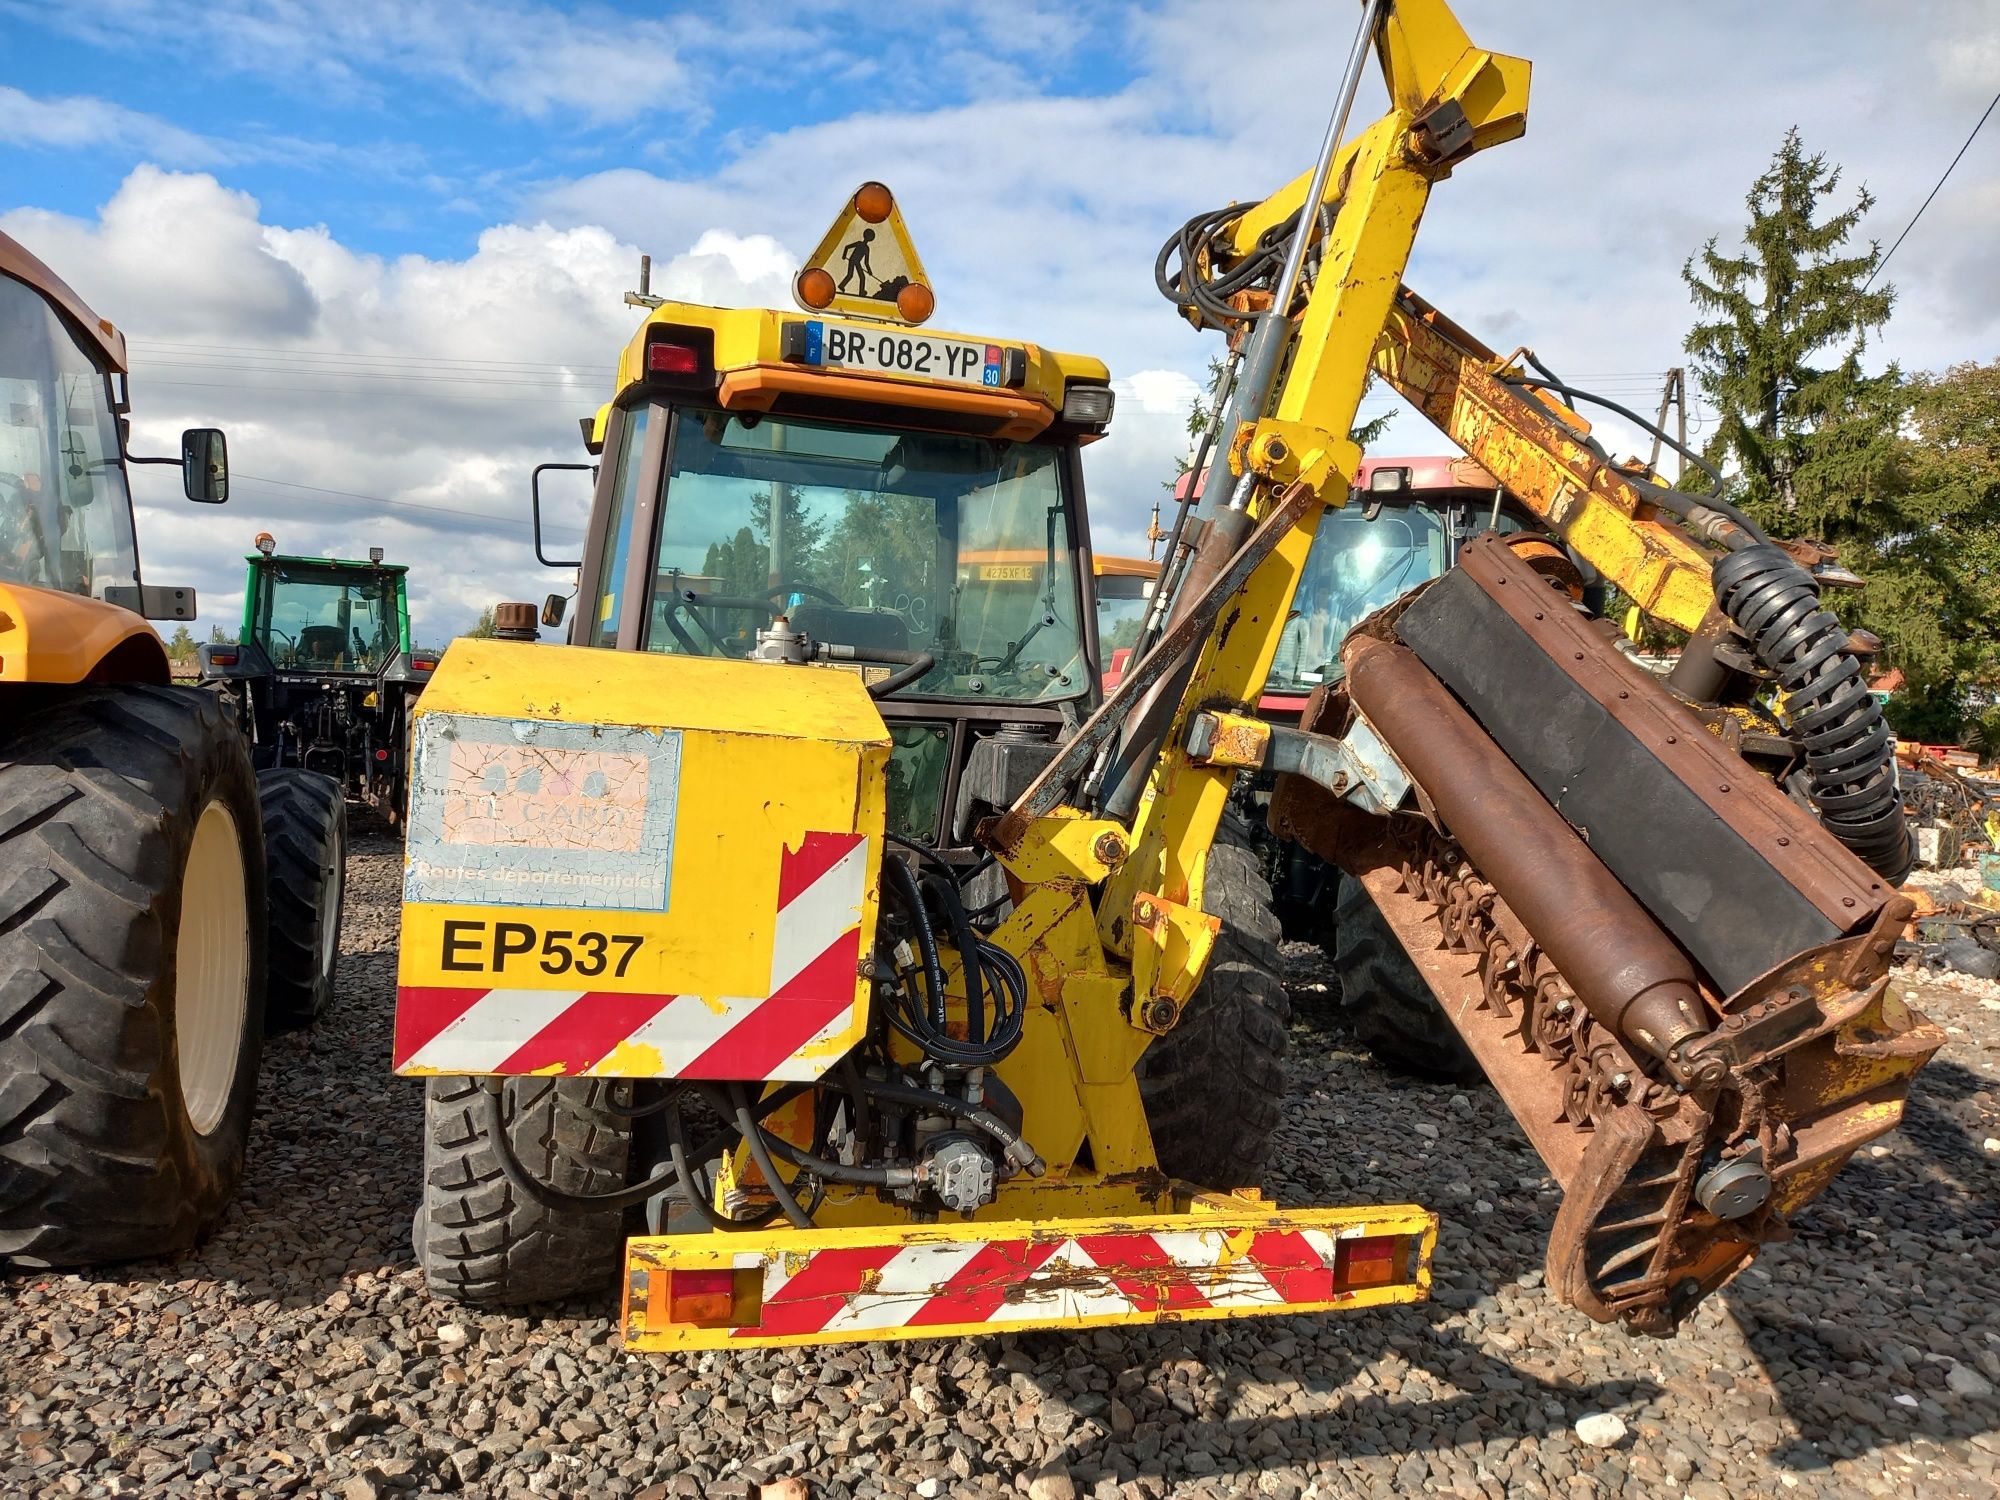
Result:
[812,908]
[139,935]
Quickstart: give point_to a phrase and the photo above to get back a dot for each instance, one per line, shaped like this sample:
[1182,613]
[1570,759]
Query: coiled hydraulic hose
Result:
[1835,720]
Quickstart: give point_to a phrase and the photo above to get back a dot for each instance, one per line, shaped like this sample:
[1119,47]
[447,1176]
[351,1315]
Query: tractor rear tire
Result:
[305,850]
[132,952]
[1214,1086]
[1384,998]
[476,1238]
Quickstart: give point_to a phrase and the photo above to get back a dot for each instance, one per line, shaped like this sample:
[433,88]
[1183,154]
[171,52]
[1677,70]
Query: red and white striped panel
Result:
[1134,1274]
[811,1000]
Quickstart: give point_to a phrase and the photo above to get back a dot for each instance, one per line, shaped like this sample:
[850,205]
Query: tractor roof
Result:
[18,262]
[328,562]
[759,365]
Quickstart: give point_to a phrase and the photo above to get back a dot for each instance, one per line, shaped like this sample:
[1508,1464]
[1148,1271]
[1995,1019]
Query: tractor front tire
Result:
[305,851]
[480,1241]
[1384,998]
[132,948]
[1214,1086]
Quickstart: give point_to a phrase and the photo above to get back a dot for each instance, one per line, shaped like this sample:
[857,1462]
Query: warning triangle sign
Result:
[867,266]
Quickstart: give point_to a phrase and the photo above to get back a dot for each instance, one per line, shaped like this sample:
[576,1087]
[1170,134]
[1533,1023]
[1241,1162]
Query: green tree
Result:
[1935,578]
[1809,436]
[485,630]
[217,636]
[884,547]
[180,645]
[739,566]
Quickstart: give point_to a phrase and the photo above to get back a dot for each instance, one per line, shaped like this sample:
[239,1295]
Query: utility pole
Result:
[644,296]
[1675,395]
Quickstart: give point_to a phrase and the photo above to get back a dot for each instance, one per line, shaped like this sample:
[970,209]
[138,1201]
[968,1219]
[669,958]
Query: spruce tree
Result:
[1809,438]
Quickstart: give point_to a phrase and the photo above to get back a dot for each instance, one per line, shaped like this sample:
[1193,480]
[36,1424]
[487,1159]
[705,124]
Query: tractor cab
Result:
[1125,587]
[318,615]
[66,524]
[1405,523]
[322,673]
[903,505]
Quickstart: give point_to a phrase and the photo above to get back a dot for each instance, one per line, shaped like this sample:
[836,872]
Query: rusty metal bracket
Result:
[1441,133]
[1358,766]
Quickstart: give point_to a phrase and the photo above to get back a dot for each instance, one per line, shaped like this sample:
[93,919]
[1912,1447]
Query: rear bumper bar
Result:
[1222,1257]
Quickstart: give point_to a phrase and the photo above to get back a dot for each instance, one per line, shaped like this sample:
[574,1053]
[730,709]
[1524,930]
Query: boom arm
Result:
[1289,455]
[1534,446]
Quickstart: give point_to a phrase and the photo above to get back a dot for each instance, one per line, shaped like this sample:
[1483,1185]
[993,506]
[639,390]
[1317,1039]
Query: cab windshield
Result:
[1356,566]
[65,514]
[1122,602]
[328,619]
[874,538]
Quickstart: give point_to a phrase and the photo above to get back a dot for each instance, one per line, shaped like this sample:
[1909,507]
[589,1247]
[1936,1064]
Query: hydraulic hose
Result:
[914,664]
[1835,720]
[760,1152]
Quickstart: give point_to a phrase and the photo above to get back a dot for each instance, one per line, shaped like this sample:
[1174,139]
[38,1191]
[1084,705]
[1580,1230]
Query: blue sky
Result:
[384,244]
[412,138]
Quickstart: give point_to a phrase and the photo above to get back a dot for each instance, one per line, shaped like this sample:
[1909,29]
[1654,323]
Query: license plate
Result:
[890,351]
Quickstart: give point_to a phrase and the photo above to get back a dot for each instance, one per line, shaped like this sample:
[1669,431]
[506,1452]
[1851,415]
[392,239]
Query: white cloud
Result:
[1037,214]
[523,58]
[80,121]
[431,383]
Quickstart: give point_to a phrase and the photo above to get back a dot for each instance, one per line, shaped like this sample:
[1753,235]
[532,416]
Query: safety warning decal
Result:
[517,812]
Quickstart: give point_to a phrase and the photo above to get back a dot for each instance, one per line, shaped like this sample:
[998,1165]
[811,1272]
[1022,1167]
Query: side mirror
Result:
[535,499]
[553,609]
[205,465]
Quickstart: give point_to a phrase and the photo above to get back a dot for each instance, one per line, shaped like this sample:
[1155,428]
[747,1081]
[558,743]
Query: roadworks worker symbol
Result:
[867,266]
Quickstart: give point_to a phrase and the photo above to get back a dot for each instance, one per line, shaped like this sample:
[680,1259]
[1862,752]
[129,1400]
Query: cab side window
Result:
[611,603]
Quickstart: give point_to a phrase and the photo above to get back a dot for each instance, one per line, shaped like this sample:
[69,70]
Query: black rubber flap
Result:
[1720,899]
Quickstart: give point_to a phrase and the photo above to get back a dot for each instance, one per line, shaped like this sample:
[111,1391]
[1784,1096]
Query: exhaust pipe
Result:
[1628,973]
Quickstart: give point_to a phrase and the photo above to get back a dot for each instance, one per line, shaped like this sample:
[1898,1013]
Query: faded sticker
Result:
[515,812]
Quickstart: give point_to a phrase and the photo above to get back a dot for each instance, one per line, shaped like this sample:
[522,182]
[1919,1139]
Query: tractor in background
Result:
[322,674]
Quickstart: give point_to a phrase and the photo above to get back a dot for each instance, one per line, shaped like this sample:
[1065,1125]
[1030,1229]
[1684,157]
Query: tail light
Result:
[672,359]
[718,1297]
[679,356]
[1377,1261]
[222,659]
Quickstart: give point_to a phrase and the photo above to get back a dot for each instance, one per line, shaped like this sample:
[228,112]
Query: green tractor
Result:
[323,674]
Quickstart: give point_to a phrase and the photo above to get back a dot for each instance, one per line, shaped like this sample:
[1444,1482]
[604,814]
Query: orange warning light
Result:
[915,302]
[814,287]
[874,202]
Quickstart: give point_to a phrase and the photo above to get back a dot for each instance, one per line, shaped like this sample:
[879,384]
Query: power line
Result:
[436,510]
[1933,193]
[293,351]
[266,388]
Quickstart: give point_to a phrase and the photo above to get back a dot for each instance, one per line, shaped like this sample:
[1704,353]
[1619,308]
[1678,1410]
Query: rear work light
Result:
[1087,405]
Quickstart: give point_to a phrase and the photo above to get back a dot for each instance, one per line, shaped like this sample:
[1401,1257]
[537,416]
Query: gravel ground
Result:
[297,1353]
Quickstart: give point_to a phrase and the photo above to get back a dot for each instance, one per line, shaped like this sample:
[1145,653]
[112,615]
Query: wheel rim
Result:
[214,965]
[331,890]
